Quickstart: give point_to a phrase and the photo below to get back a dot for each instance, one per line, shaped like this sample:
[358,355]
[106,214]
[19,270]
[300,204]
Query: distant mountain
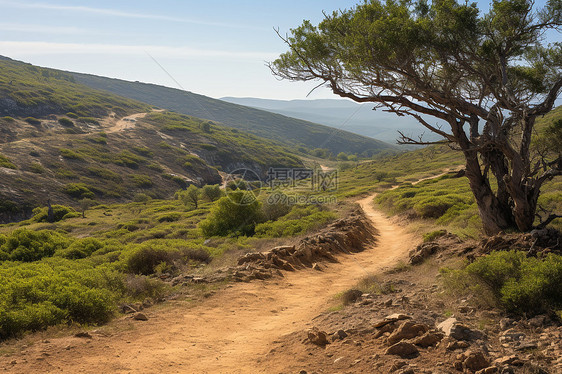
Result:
[290,131]
[342,114]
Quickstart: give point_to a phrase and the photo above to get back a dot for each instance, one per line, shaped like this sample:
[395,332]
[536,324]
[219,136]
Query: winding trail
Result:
[227,333]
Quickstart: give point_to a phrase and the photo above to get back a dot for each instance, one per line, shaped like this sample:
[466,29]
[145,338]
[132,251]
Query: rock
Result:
[457,344]
[317,337]
[392,318]
[475,360]
[338,335]
[397,365]
[351,296]
[140,317]
[128,309]
[511,335]
[407,371]
[488,370]
[538,321]
[526,346]
[388,302]
[505,360]
[505,323]
[407,330]
[83,334]
[402,349]
[315,266]
[428,339]
[451,327]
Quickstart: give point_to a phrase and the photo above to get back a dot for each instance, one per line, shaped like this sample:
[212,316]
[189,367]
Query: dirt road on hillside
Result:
[129,122]
[230,332]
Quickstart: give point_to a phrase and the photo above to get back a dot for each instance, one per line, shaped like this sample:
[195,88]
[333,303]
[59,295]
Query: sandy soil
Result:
[230,332]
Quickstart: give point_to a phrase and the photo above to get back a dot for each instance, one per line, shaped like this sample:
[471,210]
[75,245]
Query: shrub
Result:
[298,221]
[72,115]
[78,191]
[427,237]
[519,284]
[141,198]
[232,214]
[80,248]
[211,192]
[169,217]
[66,122]
[6,163]
[26,245]
[141,180]
[145,259]
[70,154]
[60,212]
[32,121]
[342,156]
[36,168]
[189,197]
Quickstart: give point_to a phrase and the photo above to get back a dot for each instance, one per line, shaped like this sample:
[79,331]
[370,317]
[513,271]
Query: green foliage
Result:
[232,214]
[211,192]
[6,163]
[342,156]
[60,212]
[32,121]
[430,236]
[26,245]
[70,154]
[147,259]
[81,248]
[36,168]
[520,284]
[141,180]
[78,191]
[189,197]
[66,122]
[299,220]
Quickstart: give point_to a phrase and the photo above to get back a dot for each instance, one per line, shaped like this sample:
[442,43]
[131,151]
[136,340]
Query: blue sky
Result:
[216,48]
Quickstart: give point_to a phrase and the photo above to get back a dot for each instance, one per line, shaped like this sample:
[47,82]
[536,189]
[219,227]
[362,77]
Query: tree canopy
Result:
[478,79]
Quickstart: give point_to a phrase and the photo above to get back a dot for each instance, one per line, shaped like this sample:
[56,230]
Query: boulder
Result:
[317,337]
[402,349]
[428,339]
[451,327]
[474,360]
[140,317]
[407,330]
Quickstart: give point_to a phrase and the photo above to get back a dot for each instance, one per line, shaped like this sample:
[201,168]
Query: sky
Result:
[212,47]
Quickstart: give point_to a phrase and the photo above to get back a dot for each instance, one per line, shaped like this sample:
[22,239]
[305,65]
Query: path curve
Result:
[129,122]
[227,333]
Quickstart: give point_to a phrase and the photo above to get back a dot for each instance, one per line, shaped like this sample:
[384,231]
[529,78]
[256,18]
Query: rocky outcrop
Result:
[346,235]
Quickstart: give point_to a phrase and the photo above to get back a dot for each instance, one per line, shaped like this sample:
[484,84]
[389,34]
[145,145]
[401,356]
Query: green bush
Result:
[298,221]
[78,191]
[26,245]
[60,212]
[36,168]
[66,122]
[6,163]
[232,214]
[70,154]
[519,284]
[141,180]
[211,192]
[32,121]
[81,248]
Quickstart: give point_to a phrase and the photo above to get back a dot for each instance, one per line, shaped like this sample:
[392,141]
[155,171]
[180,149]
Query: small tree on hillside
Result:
[211,192]
[190,196]
[485,78]
[86,204]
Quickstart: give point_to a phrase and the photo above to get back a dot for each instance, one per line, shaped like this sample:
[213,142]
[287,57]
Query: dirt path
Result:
[128,122]
[227,333]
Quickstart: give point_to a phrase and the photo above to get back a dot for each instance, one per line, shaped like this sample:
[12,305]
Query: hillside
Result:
[291,131]
[345,114]
[62,141]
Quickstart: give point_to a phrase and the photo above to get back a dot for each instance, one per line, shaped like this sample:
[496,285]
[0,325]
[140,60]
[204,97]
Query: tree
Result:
[211,192]
[342,156]
[478,80]
[232,215]
[86,204]
[190,196]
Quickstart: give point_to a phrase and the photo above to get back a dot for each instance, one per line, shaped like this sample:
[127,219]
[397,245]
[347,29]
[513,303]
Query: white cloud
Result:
[42,29]
[119,13]
[20,49]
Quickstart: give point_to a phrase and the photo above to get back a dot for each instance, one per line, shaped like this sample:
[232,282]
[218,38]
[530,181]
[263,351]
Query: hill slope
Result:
[106,147]
[288,130]
[351,116]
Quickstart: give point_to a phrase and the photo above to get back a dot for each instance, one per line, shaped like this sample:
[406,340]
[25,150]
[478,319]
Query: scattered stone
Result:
[388,302]
[451,327]
[351,296]
[457,344]
[402,349]
[128,309]
[392,318]
[338,335]
[474,360]
[505,323]
[506,360]
[428,339]
[488,370]
[140,317]
[407,330]
[538,321]
[317,337]
[315,266]
[338,360]
[83,334]
[511,335]
[397,365]
[526,346]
